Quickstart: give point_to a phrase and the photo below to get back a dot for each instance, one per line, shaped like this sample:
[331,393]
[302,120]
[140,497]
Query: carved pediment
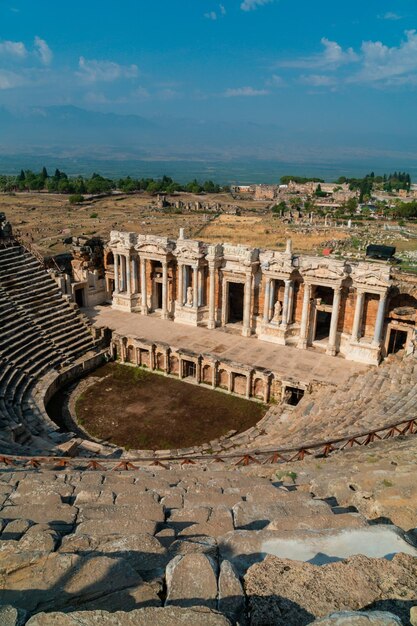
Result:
[323,269]
[122,239]
[371,275]
[242,254]
[276,262]
[150,244]
[190,250]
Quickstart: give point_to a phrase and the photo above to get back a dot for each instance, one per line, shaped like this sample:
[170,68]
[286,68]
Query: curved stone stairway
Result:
[368,401]
[40,332]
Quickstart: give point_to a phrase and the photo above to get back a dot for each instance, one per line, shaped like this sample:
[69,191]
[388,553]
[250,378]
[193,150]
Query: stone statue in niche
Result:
[189,296]
[277,311]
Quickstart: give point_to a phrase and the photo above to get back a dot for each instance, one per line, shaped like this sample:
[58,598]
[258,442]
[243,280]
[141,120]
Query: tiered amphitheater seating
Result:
[40,331]
[368,401]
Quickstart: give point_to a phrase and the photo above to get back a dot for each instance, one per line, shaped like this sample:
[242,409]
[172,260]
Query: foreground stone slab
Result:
[291,593]
[351,618]
[10,616]
[191,581]
[168,616]
[231,597]
[59,581]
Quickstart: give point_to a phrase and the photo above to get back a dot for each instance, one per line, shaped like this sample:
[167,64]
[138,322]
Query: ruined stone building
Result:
[360,310]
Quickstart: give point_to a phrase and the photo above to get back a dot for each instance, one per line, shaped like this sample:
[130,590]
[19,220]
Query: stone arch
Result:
[160,361]
[223,379]
[109,258]
[145,359]
[239,384]
[174,365]
[130,354]
[258,388]
[207,374]
[401,300]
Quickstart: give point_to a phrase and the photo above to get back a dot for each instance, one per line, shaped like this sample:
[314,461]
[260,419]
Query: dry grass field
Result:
[264,231]
[50,218]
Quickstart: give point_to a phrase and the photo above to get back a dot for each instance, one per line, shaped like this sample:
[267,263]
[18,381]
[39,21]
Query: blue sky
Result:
[322,67]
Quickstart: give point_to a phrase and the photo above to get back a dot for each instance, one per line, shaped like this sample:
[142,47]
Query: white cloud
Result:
[43,51]
[390,15]
[251,5]
[275,81]
[382,63]
[93,71]
[222,9]
[211,15]
[10,80]
[15,49]
[318,80]
[245,92]
[332,57]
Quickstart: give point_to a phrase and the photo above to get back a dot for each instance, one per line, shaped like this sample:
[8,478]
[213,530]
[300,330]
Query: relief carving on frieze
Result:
[371,274]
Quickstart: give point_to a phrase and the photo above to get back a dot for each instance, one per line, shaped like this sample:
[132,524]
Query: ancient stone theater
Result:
[361,310]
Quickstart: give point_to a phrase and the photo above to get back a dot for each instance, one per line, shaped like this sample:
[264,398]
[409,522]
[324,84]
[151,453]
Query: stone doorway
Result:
[322,325]
[397,340]
[236,298]
[79,297]
[189,369]
[158,295]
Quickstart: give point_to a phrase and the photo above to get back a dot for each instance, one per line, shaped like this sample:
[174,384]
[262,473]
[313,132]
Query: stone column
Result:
[284,319]
[135,275]
[331,346]
[266,300]
[164,289]
[201,293]
[180,294]
[357,320]
[290,303]
[230,382]
[123,273]
[302,342]
[379,325]
[195,286]
[128,276]
[185,282]
[143,286]
[225,303]
[246,331]
[214,374]
[116,273]
[248,384]
[212,298]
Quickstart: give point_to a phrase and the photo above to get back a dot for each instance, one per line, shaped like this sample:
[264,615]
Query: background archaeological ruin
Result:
[255,528]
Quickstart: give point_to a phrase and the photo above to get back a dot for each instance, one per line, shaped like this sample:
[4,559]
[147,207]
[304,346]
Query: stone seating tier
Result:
[187,538]
[41,331]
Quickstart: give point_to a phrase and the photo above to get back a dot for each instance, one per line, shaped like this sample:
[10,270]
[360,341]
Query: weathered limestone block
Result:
[194,545]
[352,618]
[118,526]
[168,616]
[292,593]
[142,551]
[191,581]
[256,515]
[147,510]
[413,615]
[57,516]
[15,529]
[10,616]
[231,600]
[58,581]
[219,523]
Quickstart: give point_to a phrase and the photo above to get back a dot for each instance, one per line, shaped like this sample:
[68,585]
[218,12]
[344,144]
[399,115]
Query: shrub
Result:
[76,198]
